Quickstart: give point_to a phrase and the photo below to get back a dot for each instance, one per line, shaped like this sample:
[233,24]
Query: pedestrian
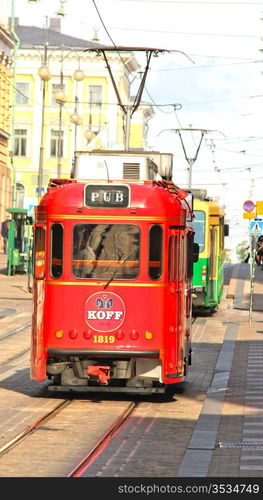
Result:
[259,250]
[4,232]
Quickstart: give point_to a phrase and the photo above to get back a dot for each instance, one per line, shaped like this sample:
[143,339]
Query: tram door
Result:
[176,273]
[213,264]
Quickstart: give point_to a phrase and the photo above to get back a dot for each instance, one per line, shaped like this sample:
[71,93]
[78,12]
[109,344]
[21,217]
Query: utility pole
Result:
[190,160]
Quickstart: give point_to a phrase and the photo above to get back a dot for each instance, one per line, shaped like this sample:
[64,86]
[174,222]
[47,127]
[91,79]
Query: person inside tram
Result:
[102,250]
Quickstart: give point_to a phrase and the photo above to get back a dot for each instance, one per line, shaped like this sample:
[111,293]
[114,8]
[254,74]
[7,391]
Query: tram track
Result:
[16,356]
[89,432]
[28,437]
[59,440]
[16,330]
[103,441]
[33,427]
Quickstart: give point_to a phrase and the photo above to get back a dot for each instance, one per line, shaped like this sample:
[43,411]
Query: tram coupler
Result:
[100,372]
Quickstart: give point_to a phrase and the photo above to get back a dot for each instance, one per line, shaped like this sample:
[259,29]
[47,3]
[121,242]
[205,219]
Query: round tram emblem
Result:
[104,311]
[248,206]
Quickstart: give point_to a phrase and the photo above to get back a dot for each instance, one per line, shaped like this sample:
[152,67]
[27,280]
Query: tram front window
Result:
[199,228]
[106,251]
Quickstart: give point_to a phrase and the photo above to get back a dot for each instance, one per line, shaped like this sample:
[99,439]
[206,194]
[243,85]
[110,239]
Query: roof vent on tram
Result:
[120,164]
[131,170]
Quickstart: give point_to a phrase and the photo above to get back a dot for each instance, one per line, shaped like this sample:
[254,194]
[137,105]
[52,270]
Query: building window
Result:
[56,87]
[95,94]
[22,93]
[20,195]
[54,144]
[20,142]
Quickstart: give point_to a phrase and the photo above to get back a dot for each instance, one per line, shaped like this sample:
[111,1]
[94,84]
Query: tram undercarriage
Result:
[76,374]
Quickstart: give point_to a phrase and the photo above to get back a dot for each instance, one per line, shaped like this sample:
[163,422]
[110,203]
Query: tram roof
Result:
[147,199]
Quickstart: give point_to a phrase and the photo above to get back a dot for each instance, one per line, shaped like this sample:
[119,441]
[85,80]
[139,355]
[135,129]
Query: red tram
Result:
[113,264]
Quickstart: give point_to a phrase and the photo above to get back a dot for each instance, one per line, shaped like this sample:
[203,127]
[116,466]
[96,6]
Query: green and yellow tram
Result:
[208,278]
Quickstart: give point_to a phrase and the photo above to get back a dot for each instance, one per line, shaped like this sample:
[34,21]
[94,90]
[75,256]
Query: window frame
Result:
[114,264]
[22,94]
[51,251]
[202,244]
[159,249]
[39,260]
[55,139]
[20,142]
[91,101]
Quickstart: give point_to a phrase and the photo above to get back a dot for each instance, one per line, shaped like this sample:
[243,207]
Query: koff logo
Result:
[104,312]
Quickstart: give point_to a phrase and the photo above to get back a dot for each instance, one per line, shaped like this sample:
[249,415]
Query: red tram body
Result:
[112,281]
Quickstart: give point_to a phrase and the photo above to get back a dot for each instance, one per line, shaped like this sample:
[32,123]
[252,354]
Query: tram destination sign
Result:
[104,195]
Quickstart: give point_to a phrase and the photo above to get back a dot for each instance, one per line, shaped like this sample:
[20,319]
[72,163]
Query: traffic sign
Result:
[248,215]
[256,226]
[248,206]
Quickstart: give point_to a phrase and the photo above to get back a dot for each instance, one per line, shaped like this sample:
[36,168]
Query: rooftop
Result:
[32,35]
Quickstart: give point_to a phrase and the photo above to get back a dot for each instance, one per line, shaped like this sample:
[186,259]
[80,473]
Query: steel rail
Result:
[33,427]
[19,329]
[103,441]
[15,356]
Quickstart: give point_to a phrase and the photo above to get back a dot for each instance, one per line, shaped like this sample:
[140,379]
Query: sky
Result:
[211,80]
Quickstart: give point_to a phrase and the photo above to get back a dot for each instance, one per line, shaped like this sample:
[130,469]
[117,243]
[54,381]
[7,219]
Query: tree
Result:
[242,251]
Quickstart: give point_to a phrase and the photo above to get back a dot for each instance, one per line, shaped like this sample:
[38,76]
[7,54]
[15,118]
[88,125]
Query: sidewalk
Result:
[228,437]
[240,288]
[12,287]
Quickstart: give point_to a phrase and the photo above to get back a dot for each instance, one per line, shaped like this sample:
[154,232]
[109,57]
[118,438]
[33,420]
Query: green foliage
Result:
[242,250]
[227,259]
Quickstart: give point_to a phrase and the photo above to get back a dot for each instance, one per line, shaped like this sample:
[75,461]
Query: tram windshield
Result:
[103,250]
[199,227]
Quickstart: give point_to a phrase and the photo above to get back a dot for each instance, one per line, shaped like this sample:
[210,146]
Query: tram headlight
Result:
[59,334]
[148,335]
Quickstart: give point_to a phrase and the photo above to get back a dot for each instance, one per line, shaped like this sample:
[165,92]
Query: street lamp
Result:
[77,120]
[45,75]
[61,99]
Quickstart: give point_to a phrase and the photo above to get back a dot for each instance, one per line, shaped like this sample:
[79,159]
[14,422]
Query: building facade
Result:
[7,43]
[73,107]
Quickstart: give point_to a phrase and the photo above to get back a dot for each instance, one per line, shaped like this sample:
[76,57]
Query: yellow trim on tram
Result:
[134,218]
[102,283]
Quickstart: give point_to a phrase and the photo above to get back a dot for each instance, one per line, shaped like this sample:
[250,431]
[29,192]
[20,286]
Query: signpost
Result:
[255,228]
[248,207]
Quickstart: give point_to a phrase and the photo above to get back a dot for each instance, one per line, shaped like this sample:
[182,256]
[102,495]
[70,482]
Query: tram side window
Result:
[106,251]
[182,260]
[221,233]
[190,256]
[170,258]
[199,228]
[175,258]
[39,253]
[56,236]
[155,252]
